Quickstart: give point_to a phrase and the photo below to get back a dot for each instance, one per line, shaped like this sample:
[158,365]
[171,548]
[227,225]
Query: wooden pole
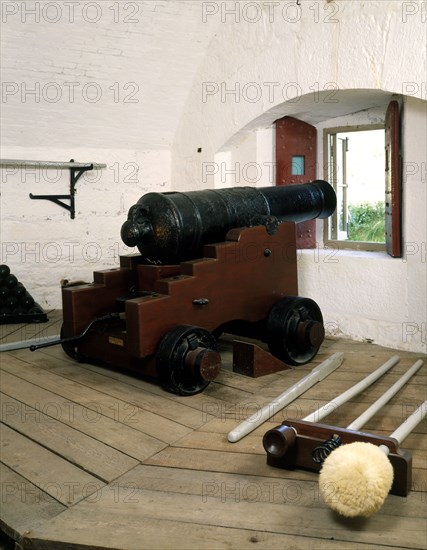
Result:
[385,398]
[258,418]
[320,413]
[410,423]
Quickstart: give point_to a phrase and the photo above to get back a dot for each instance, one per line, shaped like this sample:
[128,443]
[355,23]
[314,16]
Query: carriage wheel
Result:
[295,330]
[187,360]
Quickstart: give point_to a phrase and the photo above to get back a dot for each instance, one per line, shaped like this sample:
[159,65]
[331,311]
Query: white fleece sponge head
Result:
[355,479]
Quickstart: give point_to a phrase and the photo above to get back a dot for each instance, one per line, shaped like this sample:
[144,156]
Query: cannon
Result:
[209,262]
[173,227]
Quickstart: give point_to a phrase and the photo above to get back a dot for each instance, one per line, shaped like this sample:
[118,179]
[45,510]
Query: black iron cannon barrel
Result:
[173,227]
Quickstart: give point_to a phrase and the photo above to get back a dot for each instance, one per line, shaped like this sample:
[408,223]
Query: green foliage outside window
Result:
[366,222]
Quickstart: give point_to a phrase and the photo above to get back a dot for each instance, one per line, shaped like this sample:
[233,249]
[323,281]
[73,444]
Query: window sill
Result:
[329,253]
[355,246]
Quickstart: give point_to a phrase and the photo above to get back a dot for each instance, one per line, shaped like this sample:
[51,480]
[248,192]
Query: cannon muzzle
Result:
[169,228]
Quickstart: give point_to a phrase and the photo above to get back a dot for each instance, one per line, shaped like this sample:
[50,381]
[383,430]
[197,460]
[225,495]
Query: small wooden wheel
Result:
[187,360]
[295,330]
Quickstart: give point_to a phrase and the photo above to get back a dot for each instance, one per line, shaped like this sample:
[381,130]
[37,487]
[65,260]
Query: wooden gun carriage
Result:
[210,262]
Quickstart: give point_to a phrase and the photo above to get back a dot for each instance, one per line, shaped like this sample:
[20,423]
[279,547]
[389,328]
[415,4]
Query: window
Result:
[346,171]
[363,163]
[355,168]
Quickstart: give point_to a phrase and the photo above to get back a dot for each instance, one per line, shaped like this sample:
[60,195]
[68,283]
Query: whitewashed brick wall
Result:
[102,74]
[41,243]
[98,81]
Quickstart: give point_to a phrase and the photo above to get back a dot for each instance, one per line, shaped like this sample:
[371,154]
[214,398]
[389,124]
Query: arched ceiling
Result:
[99,74]
[313,109]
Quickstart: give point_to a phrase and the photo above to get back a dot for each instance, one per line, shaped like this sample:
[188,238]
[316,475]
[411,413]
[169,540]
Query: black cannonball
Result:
[11,303]
[10,281]
[4,293]
[19,291]
[27,302]
[4,271]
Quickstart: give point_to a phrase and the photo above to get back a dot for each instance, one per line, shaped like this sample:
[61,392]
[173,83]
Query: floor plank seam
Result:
[76,402]
[53,451]
[95,438]
[171,397]
[98,391]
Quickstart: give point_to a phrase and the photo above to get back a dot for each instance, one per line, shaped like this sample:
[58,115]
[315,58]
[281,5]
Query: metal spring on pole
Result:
[321,453]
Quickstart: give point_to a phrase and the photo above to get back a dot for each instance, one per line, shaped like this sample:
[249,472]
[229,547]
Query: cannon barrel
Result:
[172,227]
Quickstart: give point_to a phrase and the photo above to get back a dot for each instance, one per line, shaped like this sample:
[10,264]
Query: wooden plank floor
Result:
[91,457]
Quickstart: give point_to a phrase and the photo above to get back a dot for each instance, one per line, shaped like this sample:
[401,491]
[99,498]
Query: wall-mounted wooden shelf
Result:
[77,169]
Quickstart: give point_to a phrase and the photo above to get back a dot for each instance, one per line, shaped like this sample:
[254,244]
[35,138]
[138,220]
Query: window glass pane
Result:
[357,171]
[298,168]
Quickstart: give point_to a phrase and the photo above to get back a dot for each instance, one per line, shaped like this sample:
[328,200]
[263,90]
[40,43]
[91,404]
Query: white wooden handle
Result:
[316,375]
[385,398]
[410,423]
[320,413]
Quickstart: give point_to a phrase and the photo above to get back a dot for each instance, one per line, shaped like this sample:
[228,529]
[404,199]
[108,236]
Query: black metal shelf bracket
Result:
[75,174]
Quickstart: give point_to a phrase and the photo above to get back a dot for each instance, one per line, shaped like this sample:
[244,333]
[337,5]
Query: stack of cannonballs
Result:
[16,303]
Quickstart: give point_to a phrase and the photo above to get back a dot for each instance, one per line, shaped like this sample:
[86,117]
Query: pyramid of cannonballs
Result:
[16,303]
